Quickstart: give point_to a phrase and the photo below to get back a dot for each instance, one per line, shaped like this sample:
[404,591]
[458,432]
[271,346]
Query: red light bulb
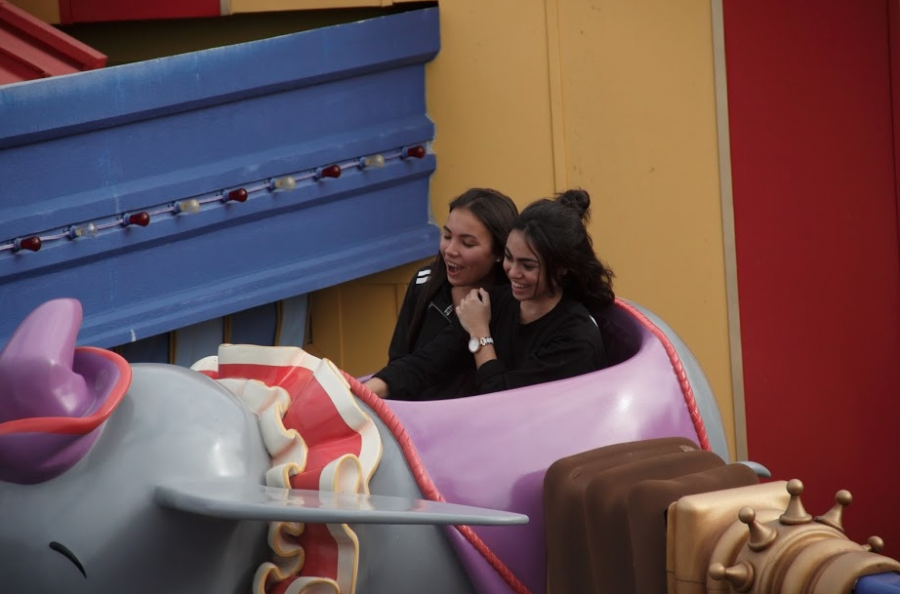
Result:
[330,171]
[142,219]
[238,195]
[417,152]
[31,244]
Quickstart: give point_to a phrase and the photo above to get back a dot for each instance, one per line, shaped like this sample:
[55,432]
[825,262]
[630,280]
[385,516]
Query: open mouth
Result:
[453,268]
[520,291]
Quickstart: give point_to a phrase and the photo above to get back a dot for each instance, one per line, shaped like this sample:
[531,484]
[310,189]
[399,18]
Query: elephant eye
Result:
[68,554]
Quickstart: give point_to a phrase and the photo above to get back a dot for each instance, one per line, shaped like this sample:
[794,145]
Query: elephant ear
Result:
[241,500]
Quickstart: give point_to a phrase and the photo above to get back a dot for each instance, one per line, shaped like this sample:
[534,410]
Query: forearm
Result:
[378,386]
[435,363]
[545,366]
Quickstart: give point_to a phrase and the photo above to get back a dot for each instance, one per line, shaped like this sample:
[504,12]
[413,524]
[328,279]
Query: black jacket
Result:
[438,317]
[563,343]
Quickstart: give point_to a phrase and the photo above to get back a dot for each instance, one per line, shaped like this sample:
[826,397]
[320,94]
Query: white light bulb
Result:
[375,161]
[285,183]
[86,230]
[189,206]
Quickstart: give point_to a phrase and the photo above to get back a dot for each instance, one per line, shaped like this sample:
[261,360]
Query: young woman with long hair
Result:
[469,257]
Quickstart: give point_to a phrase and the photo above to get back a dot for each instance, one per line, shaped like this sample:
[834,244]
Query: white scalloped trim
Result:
[289,451]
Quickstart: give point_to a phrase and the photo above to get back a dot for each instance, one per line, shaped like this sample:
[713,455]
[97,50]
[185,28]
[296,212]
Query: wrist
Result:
[480,331]
[476,343]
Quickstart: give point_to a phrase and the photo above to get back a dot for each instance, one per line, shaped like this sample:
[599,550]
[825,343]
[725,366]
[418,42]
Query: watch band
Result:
[475,343]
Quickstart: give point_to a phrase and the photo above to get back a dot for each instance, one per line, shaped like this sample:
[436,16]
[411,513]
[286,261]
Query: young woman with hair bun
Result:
[540,328]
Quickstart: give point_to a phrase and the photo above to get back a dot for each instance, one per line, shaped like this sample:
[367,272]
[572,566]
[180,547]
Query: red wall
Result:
[87,11]
[812,144]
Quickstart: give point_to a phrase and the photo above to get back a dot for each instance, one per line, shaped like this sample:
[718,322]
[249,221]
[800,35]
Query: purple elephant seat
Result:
[493,450]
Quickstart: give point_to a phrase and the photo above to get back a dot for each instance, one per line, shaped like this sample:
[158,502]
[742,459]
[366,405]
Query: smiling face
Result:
[466,247]
[525,271]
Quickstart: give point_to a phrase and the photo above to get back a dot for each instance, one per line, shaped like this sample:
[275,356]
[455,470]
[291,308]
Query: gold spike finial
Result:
[761,536]
[795,512]
[740,576]
[833,518]
[876,544]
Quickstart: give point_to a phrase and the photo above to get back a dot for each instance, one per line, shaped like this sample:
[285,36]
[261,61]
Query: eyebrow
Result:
[528,260]
[447,229]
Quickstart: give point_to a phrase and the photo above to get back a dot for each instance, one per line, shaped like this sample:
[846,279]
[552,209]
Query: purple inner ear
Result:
[29,458]
[35,387]
[100,375]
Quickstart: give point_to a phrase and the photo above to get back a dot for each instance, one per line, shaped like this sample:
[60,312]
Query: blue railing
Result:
[173,137]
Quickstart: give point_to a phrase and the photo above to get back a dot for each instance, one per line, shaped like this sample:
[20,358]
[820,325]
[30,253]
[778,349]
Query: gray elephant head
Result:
[152,478]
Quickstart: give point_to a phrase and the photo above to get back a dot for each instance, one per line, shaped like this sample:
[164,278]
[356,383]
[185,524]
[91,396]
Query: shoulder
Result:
[576,317]
[421,276]
[576,309]
[417,282]
[441,297]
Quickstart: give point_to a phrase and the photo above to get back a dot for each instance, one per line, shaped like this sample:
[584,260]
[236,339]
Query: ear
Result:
[240,500]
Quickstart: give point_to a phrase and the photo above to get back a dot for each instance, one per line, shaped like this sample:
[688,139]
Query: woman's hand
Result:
[378,386]
[474,313]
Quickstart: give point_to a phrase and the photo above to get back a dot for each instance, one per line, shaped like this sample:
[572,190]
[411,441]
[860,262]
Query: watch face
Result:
[474,345]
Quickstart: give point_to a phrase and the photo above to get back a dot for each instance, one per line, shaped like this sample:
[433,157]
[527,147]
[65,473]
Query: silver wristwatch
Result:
[475,344]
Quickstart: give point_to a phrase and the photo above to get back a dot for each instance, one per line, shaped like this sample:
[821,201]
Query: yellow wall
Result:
[613,96]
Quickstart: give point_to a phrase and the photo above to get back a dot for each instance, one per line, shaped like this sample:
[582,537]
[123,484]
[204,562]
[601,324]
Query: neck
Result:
[460,291]
[532,310]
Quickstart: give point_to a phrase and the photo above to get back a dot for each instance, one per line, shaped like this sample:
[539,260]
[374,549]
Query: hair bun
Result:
[577,199]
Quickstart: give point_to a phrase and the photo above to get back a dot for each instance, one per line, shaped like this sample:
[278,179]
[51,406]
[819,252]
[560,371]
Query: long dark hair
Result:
[496,211]
[555,230]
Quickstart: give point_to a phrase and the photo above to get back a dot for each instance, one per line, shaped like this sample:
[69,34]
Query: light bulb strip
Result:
[116,223]
[163,210]
[258,187]
[288,183]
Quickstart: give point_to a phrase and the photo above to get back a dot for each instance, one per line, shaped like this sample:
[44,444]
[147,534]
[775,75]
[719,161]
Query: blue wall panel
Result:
[91,147]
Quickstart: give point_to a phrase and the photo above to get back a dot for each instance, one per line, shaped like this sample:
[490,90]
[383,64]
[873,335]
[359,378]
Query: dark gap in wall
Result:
[124,42]
[153,349]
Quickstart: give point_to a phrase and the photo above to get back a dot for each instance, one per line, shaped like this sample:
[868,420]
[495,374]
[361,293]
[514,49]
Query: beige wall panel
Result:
[366,312]
[326,325]
[640,135]
[354,322]
[400,294]
[46,10]
[487,92]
